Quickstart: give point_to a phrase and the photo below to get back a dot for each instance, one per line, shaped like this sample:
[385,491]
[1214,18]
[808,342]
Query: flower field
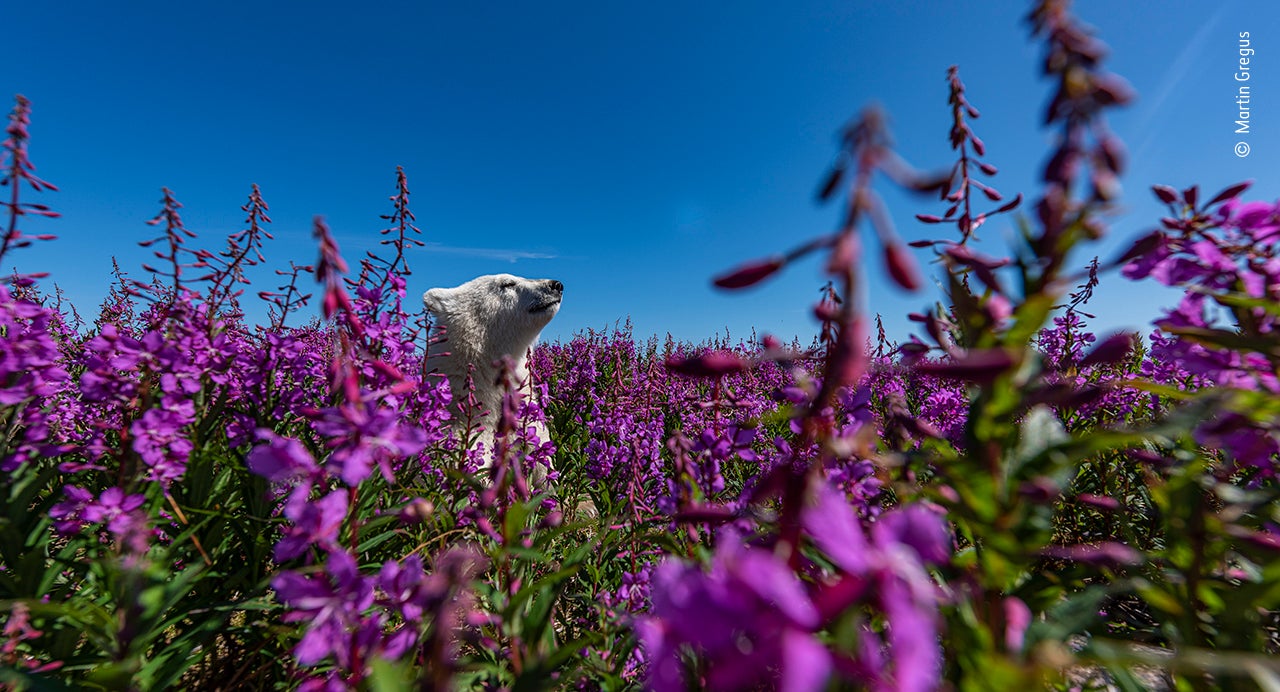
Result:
[1006,501]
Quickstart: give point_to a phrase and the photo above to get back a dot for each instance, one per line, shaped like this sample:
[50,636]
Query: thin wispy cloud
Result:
[1174,77]
[497,254]
[360,243]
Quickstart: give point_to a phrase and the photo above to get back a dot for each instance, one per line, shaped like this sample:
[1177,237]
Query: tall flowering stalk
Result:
[958,192]
[291,299]
[173,249]
[244,249]
[15,169]
[382,281]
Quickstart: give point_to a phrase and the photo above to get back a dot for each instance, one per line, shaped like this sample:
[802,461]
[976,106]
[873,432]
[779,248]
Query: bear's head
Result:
[495,315]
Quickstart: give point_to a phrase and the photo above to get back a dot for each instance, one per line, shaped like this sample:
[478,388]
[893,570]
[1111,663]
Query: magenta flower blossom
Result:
[1109,553]
[285,460]
[281,458]
[1017,617]
[68,515]
[31,371]
[919,527]
[317,523]
[892,565]
[332,604]
[749,617]
[121,515]
[364,435]
[112,508]
[159,438]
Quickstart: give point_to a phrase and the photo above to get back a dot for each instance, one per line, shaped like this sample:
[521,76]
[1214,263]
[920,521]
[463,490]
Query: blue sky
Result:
[631,150]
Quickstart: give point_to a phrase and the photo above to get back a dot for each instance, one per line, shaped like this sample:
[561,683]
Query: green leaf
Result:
[390,676]
[1074,615]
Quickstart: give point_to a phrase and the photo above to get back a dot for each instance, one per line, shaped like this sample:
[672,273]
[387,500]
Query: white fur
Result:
[483,320]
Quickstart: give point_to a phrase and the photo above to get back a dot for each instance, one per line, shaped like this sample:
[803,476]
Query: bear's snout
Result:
[555,286]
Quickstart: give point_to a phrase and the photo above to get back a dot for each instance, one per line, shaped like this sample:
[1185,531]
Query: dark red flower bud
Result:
[749,274]
[987,168]
[1040,490]
[981,265]
[982,365]
[1009,205]
[932,182]
[1140,248]
[833,180]
[902,267]
[1230,193]
[1113,349]
[1108,553]
[709,364]
[1166,194]
[1110,89]
[1111,152]
[913,348]
[929,218]
[1063,166]
[843,255]
[1190,195]
[1106,186]
[826,311]
[978,146]
[706,514]
[554,519]
[1261,539]
[417,511]
[1102,502]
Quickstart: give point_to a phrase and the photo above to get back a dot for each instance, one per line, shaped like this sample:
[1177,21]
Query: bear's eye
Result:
[506,284]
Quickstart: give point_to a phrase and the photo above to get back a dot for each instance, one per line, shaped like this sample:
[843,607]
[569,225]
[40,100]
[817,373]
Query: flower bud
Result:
[749,274]
[417,511]
[902,266]
[709,364]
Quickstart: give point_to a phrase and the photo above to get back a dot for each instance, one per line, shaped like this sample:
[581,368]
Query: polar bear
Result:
[484,320]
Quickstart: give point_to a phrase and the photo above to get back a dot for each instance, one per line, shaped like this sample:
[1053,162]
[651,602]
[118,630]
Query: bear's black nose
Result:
[556,286]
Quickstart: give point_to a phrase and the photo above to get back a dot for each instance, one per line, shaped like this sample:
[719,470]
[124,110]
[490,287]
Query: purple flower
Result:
[1017,618]
[919,527]
[122,518]
[316,523]
[892,563]
[332,603]
[111,508]
[159,438]
[68,515]
[834,527]
[364,435]
[281,459]
[406,587]
[1260,220]
[31,371]
[749,617]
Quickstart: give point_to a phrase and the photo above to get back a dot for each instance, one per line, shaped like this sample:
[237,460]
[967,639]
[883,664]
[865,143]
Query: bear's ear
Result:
[435,299]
